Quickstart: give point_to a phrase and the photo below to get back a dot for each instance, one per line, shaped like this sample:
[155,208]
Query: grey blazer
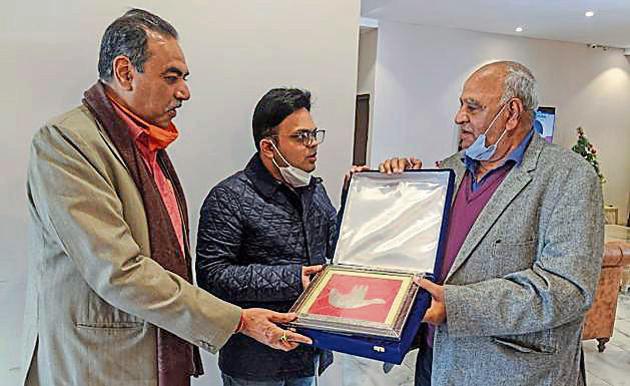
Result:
[94,295]
[525,276]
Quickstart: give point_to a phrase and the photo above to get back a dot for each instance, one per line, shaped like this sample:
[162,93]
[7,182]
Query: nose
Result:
[461,117]
[183,92]
[315,139]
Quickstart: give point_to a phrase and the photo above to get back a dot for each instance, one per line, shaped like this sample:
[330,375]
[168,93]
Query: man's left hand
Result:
[398,165]
[353,170]
[436,314]
[308,272]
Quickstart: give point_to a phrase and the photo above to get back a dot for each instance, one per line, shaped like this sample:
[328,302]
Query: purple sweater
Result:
[466,208]
[464,212]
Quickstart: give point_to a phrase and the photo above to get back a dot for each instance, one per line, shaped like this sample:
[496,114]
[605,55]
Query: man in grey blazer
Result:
[524,246]
[110,299]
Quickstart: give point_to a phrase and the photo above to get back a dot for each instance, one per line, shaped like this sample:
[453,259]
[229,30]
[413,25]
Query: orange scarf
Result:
[159,138]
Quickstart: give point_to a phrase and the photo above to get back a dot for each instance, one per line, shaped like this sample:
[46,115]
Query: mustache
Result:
[174,106]
[465,129]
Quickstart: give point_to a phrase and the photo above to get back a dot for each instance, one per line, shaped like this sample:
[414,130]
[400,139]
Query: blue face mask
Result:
[478,150]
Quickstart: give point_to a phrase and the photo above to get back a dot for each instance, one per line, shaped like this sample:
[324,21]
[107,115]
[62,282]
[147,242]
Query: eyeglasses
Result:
[307,138]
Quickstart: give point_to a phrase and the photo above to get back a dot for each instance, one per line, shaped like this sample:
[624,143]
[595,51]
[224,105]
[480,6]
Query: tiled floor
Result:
[612,367]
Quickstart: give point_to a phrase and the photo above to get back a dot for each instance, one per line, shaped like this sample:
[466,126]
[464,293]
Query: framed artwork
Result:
[357,301]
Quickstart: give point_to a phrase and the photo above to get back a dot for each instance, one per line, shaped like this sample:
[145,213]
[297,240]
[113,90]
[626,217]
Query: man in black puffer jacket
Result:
[263,232]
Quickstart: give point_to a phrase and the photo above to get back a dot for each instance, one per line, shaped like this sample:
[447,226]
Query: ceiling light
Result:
[519,29]
[589,13]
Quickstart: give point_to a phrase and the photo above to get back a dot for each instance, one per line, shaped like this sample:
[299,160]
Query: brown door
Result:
[361,124]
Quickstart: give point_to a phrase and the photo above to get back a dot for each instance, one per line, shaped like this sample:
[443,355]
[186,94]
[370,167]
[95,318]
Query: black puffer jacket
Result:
[255,234]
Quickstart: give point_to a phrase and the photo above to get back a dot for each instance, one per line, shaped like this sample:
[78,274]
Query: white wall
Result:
[366,74]
[420,71]
[236,51]
[367,61]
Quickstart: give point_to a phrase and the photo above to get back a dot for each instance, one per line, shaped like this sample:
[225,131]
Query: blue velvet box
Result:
[393,228]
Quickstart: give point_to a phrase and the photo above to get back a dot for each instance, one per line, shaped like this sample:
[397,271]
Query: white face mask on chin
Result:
[293,176]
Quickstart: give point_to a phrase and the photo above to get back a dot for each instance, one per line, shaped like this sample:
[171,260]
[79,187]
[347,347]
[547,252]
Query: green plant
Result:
[584,148]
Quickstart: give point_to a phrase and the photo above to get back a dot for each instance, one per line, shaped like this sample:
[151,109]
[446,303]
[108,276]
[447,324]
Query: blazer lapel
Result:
[455,162]
[518,178]
[111,146]
[460,171]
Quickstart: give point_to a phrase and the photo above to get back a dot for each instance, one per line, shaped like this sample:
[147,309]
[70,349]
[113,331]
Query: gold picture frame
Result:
[357,301]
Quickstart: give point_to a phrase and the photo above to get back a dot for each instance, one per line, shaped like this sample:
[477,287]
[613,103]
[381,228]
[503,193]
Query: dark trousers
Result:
[423,365]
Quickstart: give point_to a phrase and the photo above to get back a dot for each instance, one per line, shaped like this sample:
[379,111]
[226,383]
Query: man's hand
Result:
[307,272]
[353,169]
[436,314]
[259,324]
[399,165]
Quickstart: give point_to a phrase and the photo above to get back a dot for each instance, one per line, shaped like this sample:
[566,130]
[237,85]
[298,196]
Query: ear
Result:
[515,110]
[266,148]
[123,72]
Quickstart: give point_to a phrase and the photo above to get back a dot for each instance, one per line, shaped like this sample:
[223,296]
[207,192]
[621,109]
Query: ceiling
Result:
[562,20]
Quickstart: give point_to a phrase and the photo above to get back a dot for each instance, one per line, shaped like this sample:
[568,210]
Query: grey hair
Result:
[127,36]
[520,83]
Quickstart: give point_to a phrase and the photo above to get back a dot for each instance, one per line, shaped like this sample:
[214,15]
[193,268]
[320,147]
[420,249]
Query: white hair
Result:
[520,83]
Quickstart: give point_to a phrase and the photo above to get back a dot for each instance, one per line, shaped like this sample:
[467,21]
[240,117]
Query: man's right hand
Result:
[260,324]
[399,165]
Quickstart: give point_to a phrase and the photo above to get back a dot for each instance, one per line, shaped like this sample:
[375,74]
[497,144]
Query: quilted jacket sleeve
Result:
[219,268]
